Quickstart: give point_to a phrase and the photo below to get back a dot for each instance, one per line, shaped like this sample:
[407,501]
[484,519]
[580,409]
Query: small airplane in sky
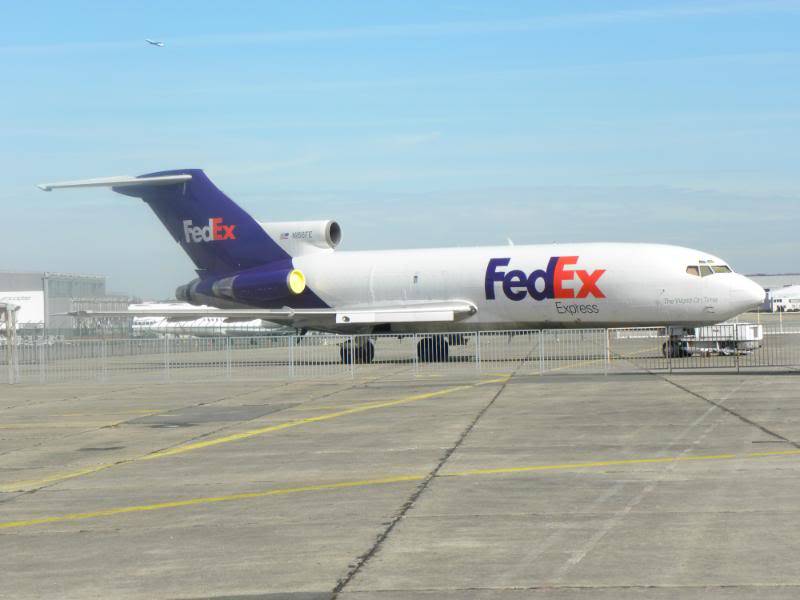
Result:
[155,43]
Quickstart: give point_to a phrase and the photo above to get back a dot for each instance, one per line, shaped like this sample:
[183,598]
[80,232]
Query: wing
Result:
[427,312]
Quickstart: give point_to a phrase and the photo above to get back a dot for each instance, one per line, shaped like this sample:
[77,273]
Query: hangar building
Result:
[783,291]
[41,295]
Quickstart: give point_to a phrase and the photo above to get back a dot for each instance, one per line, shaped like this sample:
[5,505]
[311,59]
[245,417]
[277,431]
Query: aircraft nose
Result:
[747,294]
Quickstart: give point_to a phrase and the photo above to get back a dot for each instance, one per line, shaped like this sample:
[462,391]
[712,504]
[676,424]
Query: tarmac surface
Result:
[494,486]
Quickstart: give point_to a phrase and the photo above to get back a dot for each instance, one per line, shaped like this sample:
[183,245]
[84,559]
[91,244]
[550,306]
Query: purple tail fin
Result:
[213,230]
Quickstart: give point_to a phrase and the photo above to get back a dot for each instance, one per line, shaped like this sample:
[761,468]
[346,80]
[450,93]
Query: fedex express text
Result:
[548,283]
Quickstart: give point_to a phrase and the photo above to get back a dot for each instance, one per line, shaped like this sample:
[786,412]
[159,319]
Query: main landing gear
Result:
[675,349]
[433,349]
[358,354]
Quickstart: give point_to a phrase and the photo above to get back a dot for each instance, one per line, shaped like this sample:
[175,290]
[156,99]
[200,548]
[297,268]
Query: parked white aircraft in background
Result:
[290,273]
[149,318]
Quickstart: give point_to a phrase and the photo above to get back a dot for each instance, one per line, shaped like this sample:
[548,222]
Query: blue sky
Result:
[412,123]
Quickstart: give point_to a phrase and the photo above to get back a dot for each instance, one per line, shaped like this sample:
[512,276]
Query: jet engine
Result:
[260,285]
[302,237]
[251,286]
[188,293]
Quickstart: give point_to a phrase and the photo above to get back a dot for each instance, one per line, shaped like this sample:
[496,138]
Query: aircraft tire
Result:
[361,354]
[676,350]
[365,353]
[433,349]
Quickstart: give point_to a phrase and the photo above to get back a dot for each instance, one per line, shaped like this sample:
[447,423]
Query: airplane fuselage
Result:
[536,286]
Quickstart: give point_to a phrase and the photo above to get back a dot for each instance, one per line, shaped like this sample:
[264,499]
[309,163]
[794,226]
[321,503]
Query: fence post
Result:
[541,352]
[736,345]
[669,349]
[166,357]
[104,361]
[414,342]
[608,349]
[478,350]
[292,342]
[352,356]
[228,357]
[41,357]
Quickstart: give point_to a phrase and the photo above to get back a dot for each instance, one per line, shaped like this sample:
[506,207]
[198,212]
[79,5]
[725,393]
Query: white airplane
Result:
[149,318]
[290,273]
[155,43]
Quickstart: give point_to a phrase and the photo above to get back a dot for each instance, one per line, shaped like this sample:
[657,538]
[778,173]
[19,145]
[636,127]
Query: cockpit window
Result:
[704,270]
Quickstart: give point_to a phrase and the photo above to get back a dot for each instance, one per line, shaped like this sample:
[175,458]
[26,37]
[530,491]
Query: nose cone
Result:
[746,294]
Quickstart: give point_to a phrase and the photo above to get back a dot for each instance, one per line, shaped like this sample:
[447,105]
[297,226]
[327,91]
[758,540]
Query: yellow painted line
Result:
[377,481]
[112,413]
[306,421]
[622,462]
[27,484]
[212,500]
[54,425]
[602,463]
[19,486]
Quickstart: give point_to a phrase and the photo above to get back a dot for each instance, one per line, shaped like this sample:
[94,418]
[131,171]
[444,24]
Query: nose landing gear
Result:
[675,349]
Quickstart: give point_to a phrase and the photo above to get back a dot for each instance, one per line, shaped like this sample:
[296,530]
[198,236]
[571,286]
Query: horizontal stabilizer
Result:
[121,181]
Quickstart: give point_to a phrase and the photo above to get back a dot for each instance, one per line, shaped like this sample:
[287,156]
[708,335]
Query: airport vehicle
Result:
[291,273]
[724,339]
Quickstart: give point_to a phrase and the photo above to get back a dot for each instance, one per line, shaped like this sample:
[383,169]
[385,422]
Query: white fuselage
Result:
[618,285]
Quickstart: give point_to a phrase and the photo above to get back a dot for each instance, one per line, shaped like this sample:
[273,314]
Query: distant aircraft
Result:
[155,43]
[290,273]
[150,319]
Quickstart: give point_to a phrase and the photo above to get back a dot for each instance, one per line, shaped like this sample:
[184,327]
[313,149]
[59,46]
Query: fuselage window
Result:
[705,271]
[721,269]
[693,270]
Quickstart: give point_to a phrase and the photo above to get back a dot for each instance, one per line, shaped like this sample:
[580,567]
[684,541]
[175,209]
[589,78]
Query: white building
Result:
[783,291]
[783,299]
[44,297]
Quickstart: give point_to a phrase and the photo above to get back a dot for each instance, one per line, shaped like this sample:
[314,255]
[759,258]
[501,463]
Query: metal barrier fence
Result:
[729,347]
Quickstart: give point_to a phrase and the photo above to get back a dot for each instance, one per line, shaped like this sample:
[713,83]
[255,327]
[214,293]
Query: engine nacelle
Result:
[302,237]
[188,293]
[259,285]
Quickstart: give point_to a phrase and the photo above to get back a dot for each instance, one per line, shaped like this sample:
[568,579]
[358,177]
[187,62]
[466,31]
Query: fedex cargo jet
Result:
[291,273]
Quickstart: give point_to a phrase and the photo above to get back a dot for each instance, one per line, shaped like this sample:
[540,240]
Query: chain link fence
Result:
[727,347]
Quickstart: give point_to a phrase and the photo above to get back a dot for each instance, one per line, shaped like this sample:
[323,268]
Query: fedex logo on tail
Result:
[517,284]
[215,230]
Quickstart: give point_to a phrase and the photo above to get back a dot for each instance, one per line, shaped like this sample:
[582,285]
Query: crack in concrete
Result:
[730,411]
[362,561]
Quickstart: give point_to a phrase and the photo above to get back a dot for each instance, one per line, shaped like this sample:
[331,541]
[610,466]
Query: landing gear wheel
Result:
[359,355]
[675,349]
[433,349]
